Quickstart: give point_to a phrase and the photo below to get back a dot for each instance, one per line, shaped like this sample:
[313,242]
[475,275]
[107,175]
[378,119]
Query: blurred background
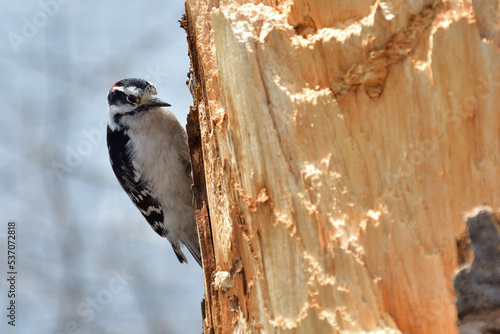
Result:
[87,261]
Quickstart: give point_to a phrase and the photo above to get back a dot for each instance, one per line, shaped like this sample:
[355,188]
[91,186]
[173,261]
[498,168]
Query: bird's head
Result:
[129,97]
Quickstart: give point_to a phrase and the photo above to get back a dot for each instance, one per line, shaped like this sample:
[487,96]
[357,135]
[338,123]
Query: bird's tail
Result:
[180,255]
[194,249]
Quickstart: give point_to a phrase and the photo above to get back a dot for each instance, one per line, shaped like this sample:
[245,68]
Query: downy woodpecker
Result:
[150,158]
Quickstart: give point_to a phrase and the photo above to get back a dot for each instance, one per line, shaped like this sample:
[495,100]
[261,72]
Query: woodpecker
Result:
[149,155]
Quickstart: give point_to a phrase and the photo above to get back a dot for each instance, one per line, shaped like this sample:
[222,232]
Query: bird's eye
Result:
[132,99]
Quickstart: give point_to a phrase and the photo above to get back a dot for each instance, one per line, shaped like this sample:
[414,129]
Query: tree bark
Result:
[335,147]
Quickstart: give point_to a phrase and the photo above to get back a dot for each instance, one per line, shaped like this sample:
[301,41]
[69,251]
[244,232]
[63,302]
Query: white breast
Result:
[160,148]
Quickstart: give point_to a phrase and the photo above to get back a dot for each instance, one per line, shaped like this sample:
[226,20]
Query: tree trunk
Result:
[336,146]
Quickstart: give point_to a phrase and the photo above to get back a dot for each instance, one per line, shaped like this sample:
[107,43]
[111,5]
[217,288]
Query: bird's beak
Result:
[156,102]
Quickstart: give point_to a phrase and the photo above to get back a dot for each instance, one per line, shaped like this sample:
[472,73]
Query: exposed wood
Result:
[339,144]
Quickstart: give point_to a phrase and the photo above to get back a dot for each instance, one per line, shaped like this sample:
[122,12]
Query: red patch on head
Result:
[113,86]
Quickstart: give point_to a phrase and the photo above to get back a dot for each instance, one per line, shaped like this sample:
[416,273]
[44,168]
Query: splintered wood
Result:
[341,143]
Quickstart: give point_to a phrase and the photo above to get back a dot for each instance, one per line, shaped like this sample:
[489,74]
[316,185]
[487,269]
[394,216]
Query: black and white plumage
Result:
[150,158]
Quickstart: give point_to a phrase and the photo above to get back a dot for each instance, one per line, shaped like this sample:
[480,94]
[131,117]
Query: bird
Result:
[149,156]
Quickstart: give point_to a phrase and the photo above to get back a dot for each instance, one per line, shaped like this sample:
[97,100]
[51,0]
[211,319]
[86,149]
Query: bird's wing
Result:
[127,173]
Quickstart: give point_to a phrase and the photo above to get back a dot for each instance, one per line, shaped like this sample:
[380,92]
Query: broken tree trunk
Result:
[335,147]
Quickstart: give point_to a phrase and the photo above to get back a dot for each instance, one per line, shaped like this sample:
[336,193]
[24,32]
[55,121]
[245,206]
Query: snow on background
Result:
[87,261]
